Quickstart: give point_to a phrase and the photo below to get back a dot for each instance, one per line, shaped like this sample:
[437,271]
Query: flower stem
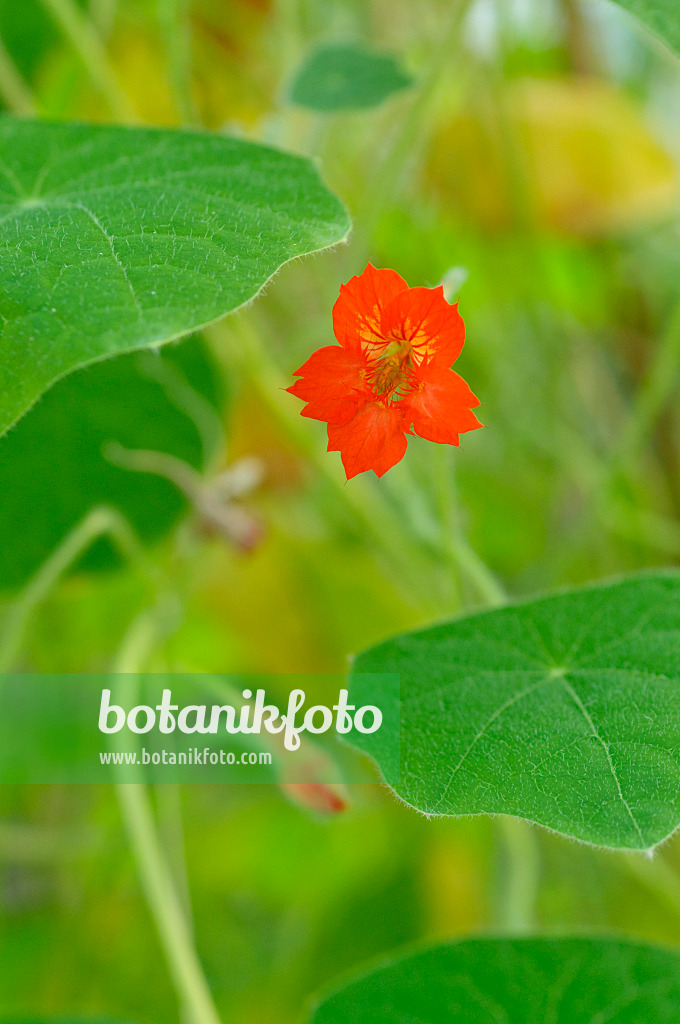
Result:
[656,389]
[83,36]
[367,504]
[103,13]
[656,875]
[174,24]
[165,904]
[383,185]
[99,523]
[520,882]
[456,549]
[14,91]
[162,896]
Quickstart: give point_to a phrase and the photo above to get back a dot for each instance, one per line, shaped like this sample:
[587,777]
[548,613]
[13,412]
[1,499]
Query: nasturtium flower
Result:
[390,374]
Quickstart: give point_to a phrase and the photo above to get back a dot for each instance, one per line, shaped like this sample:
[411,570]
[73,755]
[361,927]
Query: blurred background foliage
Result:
[532,165]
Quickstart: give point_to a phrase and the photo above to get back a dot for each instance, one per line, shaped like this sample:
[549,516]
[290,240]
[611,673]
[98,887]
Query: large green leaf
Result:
[53,467]
[564,711]
[516,981]
[346,76]
[113,239]
[661,16]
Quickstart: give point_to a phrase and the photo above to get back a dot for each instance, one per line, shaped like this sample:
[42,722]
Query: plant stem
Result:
[81,33]
[458,552]
[99,523]
[384,183]
[13,89]
[157,880]
[174,23]
[367,504]
[656,389]
[103,13]
[520,852]
[165,904]
[656,875]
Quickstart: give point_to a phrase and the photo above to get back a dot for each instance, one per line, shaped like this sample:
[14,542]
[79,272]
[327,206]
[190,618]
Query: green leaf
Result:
[563,710]
[52,465]
[113,239]
[347,77]
[661,16]
[516,981]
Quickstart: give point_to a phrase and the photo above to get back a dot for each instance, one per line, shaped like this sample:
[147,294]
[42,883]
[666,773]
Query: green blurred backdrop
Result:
[531,164]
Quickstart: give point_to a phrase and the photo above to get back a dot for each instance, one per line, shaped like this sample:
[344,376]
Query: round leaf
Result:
[516,981]
[563,710]
[113,239]
[347,77]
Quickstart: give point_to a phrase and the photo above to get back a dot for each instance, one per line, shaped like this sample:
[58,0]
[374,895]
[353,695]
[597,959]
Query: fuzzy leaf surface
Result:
[114,239]
[563,710]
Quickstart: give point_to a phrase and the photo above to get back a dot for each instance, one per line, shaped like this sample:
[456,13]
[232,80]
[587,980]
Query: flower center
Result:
[391,373]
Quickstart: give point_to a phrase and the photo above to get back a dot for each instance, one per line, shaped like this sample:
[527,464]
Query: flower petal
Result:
[373,439]
[423,317]
[357,314]
[440,408]
[333,383]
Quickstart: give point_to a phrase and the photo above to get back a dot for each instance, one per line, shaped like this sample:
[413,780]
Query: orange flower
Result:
[390,375]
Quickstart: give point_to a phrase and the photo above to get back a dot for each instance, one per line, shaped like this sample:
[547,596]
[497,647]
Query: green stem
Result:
[364,504]
[368,506]
[656,875]
[520,882]
[81,33]
[99,523]
[460,555]
[14,91]
[656,389]
[171,829]
[383,185]
[103,13]
[164,901]
[174,23]
[165,904]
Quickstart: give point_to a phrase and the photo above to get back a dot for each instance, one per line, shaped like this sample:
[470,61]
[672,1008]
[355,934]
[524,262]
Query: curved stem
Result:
[99,523]
[165,904]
